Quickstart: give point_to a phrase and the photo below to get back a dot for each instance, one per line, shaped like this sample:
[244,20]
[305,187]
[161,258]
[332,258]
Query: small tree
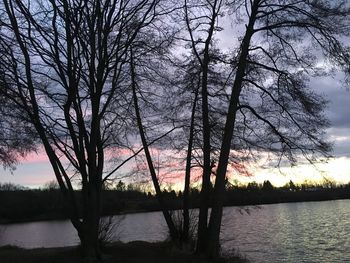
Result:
[267,186]
[121,186]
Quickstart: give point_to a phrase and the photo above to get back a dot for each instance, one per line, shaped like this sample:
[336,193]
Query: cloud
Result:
[330,85]
[339,98]
[39,157]
[337,110]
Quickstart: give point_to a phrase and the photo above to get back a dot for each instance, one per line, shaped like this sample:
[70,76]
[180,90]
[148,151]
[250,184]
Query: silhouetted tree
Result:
[270,95]
[266,104]
[159,194]
[291,186]
[120,186]
[253,186]
[202,17]
[63,65]
[11,187]
[267,186]
[17,136]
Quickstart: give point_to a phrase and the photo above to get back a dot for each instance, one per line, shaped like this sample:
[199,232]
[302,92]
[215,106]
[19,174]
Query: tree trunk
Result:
[89,232]
[205,192]
[186,216]
[174,234]
[206,184]
[213,241]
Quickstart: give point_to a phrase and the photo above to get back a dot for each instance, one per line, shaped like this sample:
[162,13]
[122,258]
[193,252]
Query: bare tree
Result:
[167,216]
[63,65]
[157,93]
[67,66]
[270,84]
[265,104]
[202,17]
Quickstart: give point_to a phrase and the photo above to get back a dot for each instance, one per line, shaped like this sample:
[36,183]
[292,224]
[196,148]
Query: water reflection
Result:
[294,232]
[39,234]
[146,227]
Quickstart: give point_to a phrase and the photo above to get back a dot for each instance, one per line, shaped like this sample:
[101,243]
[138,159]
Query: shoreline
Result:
[43,218]
[137,251]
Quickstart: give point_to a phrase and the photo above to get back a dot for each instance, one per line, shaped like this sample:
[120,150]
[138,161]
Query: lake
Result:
[290,232]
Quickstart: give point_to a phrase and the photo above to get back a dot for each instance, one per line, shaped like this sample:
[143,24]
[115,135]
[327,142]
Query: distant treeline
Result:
[19,204]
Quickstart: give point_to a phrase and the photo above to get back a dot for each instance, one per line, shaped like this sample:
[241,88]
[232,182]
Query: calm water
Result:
[294,232]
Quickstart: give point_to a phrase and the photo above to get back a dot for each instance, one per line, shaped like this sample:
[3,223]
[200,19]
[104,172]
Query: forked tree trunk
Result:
[202,234]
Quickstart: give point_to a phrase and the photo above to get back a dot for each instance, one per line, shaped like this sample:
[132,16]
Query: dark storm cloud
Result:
[337,110]
[330,86]
[339,99]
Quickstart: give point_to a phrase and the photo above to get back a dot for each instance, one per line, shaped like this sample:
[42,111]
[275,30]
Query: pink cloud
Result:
[39,157]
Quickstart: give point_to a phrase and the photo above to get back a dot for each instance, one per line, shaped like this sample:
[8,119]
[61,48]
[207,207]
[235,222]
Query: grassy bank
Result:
[133,252]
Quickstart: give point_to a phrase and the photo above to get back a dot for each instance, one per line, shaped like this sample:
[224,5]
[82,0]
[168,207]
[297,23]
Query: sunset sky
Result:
[35,170]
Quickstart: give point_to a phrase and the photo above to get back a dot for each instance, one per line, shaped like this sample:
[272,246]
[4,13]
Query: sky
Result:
[338,167]
[35,170]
